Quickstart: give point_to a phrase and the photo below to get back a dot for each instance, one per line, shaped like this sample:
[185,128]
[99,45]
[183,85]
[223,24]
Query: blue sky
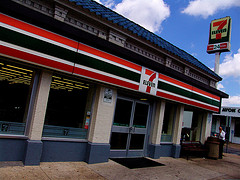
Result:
[185,23]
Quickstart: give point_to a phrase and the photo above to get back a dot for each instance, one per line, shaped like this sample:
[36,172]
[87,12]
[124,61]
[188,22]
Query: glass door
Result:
[129,128]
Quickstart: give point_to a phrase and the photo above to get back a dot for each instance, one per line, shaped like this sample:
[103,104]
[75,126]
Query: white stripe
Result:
[193,100]
[19,48]
[65,46]
[108,61]
[106,74]
[64,61]
[38,37]
[189,90]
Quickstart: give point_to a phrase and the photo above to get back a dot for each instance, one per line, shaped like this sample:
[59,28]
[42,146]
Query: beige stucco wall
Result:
[102,117]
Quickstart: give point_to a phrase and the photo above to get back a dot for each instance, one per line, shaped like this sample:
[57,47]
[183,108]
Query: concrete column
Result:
[206,126]
[158,122]
[177,131]
[35,127]
[154,147]
[232,128]
[199,128]
[101,125]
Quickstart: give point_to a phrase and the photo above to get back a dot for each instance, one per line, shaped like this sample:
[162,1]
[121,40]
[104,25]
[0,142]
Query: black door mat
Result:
[133,163]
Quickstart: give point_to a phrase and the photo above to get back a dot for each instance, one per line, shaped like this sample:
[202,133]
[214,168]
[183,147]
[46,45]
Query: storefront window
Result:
[192,125]
[15,83]
[237,127]
[68,109]
[214,127]
[168,121]
[223,120]
[218,120]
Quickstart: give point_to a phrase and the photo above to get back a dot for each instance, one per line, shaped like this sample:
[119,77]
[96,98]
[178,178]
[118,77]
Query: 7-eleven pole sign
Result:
[148,81]
[219,35]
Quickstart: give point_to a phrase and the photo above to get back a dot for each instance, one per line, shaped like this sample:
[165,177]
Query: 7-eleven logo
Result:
[149,81]
[219,28]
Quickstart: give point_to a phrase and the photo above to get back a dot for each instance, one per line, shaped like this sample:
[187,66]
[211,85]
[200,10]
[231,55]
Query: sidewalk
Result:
[232,148]
[194,168]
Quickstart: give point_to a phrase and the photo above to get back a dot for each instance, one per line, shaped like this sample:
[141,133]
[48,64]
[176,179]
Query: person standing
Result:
[222,141]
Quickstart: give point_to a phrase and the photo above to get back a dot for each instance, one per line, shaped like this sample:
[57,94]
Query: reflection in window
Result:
[236,127]
[137,141]
[192,124]
[214,127]
[140,115]
[168,121]
[68,109]
[119,141]
[14,95]
[123,113]
[220,119]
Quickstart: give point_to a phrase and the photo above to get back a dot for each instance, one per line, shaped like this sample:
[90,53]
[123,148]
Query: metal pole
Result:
[227,139]
[217,60]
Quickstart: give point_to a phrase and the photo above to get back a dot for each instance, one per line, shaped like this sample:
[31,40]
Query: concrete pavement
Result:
[232,148]
[194,168]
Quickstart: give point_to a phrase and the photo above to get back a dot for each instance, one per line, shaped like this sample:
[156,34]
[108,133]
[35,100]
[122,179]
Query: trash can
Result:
[212,144]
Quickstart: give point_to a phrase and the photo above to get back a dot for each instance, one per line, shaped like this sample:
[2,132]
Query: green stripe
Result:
[36,44]
[216,103]
[185,93]
[106,67]
[62,53]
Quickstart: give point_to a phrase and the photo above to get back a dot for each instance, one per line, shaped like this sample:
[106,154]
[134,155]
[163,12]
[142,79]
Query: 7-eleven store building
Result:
[75,86]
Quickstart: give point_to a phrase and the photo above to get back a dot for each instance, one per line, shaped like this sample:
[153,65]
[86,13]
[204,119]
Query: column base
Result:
[154,151]
[176,149]
[97,153]
[33,152]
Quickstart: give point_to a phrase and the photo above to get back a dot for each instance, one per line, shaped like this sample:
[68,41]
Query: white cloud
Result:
[220,86]
[109,3]
[149,14]
[230,65]
[98,1]
[194,54]
[231,101]
[207,8]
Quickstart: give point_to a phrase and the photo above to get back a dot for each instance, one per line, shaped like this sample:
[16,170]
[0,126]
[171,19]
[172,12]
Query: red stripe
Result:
[113,58]
[210,48]
[174,81]
[38,31]
[35,59]
[148,72]
[52,36]
[223,45]
[185,101]
[64,67]
[103,78]
[206,93]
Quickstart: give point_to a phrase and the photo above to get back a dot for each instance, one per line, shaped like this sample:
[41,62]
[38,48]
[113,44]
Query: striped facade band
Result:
[25,42]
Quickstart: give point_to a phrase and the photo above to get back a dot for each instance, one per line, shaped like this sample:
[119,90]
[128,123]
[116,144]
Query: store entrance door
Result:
[129,131]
